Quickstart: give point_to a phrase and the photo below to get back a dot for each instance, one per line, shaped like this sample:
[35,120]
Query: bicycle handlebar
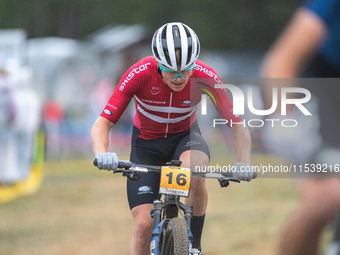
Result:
[238,173]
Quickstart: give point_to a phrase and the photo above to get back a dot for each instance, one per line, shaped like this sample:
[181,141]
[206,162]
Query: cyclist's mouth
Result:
[178,84]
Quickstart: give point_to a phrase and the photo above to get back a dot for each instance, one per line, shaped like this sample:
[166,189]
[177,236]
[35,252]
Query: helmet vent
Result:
[175,46]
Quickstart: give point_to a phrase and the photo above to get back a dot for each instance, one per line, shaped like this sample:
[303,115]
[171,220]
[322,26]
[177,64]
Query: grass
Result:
[80,210]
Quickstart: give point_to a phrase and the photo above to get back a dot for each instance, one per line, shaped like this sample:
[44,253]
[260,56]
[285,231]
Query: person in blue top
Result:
[310,47]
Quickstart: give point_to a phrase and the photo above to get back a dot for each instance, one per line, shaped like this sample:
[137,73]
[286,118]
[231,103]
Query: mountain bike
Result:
[171,234]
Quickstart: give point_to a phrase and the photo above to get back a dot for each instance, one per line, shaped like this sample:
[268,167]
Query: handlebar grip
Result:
[244,172]
[106,161]
[244,176]
[124,164]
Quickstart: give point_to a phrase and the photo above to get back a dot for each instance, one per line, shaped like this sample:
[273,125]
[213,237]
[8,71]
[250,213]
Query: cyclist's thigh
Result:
[145,190]
[193,145]
[320,196]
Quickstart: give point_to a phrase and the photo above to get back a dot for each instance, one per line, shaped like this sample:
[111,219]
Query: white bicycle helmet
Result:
[171,37]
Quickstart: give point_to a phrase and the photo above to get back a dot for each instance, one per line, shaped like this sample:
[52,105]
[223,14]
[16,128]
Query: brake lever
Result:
[224,182]
[118,171]
[132,175]
[234,180]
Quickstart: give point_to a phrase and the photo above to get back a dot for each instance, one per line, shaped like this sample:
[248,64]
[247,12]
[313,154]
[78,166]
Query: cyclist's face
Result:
[176,80]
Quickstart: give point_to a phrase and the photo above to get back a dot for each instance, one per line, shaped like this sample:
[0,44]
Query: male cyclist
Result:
[165,125]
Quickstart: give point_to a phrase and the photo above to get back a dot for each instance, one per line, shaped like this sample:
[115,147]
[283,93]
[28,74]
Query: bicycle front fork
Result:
[159,206]
[169,204]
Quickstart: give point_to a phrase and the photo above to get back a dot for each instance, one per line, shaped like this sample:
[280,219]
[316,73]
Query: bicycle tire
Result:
[175,240]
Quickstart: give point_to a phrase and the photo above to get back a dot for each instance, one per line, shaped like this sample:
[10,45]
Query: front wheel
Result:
[176,241]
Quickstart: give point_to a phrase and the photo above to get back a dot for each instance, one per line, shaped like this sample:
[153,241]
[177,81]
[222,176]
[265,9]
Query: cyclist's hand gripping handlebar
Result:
[106,161]
[244,172]
[110,161]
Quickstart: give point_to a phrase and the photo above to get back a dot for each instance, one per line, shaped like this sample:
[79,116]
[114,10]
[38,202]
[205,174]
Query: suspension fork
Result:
[172,205]
[156,212]
[170,201]
[188,212]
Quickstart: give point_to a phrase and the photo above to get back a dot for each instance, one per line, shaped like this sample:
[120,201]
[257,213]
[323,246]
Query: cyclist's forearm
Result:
[100,135]
[242,143]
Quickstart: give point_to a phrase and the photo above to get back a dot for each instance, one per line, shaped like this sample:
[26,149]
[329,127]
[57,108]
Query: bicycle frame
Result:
[170,208]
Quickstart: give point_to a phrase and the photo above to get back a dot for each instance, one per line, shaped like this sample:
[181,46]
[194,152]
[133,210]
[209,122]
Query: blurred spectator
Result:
[53,117]
[310,44]
[19,121]
[8,174]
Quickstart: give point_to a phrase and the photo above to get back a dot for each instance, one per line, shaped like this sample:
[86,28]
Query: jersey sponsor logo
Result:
[108,112]
[155,90]
[187,102]
[153,101]
[191,143]
[209,73]
[145,190]
[137,70]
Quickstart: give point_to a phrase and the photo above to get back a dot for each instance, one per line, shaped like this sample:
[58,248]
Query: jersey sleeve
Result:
[207,78]
[122,95]
[225,108]
[223,104]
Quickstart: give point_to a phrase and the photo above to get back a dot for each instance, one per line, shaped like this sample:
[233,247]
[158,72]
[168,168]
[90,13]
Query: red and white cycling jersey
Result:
[161,112]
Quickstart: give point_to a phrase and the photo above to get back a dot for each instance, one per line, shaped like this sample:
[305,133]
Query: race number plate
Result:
[175,181]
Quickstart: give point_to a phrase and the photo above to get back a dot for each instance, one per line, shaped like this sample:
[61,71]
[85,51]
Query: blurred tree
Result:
[220,24]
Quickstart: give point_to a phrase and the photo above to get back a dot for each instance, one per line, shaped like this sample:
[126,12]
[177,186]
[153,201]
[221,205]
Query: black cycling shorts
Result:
[158,152]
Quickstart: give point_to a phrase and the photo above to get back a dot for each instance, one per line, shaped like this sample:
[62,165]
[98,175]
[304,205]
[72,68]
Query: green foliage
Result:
[220,24]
